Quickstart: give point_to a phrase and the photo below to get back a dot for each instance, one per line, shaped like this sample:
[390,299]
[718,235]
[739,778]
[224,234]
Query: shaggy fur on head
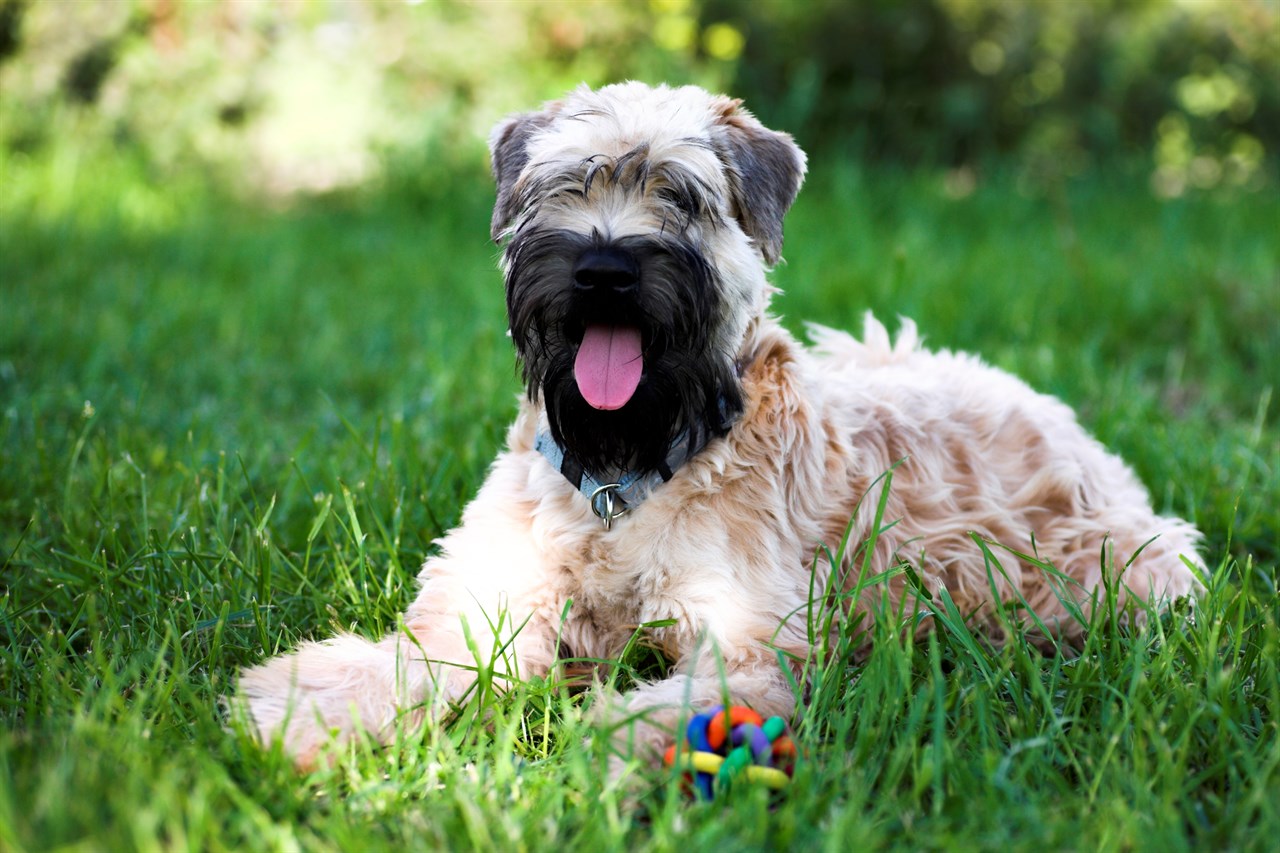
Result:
[656,211]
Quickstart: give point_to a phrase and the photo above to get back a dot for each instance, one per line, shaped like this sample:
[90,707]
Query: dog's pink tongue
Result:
[609,365]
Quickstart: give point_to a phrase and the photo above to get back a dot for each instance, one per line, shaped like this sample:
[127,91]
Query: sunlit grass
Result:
[226,429]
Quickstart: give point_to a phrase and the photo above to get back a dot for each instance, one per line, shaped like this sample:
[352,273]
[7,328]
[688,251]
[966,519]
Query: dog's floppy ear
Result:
[508,149]
[765,169]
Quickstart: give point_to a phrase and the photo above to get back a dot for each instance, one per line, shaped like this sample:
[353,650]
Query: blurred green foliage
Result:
[307,95]
[1194,86]
[318,94]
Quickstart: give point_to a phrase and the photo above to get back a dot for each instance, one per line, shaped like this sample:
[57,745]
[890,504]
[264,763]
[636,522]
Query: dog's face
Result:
[640,221]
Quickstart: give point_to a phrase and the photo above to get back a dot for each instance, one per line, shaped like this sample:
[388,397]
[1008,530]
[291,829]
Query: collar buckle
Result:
[606,505]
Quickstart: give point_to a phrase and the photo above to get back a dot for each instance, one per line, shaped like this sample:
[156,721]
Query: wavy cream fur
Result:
[727,547]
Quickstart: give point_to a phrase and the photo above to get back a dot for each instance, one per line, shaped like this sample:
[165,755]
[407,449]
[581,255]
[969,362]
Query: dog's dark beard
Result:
[685,385]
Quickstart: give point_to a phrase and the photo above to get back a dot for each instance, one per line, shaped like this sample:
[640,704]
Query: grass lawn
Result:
[224,429]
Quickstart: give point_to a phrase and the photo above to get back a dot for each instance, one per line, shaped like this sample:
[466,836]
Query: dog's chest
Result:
[617,588]
[609,579]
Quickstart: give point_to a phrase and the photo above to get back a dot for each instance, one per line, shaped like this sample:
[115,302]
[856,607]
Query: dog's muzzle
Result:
[609,363]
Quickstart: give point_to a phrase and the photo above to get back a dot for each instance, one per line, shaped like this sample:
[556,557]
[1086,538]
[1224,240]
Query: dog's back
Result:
[975,451]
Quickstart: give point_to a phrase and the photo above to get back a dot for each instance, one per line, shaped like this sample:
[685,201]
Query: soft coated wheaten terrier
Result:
[681,457]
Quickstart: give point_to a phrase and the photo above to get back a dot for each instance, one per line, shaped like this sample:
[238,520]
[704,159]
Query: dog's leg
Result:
[487,603]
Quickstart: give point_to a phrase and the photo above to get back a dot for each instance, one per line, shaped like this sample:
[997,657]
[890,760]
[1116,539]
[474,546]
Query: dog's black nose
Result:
[606,269]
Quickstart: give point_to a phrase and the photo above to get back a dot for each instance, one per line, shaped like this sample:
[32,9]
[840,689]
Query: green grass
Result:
[224,429]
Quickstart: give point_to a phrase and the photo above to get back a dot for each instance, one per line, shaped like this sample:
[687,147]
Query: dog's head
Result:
[639,222]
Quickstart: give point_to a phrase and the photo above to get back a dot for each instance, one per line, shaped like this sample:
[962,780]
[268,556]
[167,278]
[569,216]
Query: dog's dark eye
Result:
[682,201]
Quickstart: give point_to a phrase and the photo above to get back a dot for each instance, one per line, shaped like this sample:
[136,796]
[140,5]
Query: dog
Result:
[681,459]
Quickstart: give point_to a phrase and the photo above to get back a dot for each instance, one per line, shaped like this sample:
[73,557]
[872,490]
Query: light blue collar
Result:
[614,493]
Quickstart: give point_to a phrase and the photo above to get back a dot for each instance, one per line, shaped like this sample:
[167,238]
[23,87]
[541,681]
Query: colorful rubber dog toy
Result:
[724,744]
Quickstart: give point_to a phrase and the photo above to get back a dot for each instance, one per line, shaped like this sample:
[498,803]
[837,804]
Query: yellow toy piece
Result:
[709,762]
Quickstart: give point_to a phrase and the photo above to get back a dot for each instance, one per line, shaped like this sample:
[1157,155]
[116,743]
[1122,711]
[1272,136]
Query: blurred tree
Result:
[1196,85]
[310,95]
[10,28]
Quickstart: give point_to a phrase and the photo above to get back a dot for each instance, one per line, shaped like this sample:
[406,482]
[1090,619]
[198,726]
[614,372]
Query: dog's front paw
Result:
[320,695]
[639,728]
[645,736]
[277,706]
